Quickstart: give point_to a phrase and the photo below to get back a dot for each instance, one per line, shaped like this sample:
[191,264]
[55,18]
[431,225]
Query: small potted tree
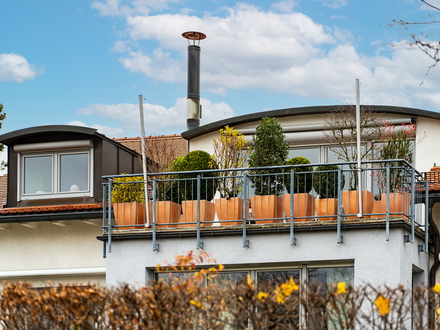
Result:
[341,134]
[325,184]
[128,201]
[196,160]
[230,152]
[302,184]
[396,145]
[268,149]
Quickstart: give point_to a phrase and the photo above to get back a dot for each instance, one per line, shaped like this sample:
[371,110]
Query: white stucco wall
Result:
[300,138]
[376,261]
[73,248]
[427,150]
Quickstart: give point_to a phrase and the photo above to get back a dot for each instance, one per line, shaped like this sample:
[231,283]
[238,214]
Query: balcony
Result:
[271,199]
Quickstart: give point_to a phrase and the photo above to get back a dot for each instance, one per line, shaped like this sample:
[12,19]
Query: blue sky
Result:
[85,62]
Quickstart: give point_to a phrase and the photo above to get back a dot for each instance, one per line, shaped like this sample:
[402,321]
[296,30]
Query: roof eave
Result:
[233,121]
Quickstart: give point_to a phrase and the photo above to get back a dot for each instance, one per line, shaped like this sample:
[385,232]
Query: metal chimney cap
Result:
[193,35]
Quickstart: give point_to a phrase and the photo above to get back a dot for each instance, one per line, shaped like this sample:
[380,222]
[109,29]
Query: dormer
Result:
[61,164]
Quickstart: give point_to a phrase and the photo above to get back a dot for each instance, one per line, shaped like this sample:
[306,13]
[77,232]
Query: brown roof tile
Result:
[433,177]
[53,208]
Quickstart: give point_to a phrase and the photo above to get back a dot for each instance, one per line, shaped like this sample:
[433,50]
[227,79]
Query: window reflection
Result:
[170,277]
[74,172]
[312,154]
[276,278]
[38,175]
[323,278]
[269,281]
[226,280]
[329,276]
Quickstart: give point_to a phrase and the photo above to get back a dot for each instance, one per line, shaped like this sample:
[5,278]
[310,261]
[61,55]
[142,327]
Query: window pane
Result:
[328,276]
[333,157]
[37,175]
[224,280]
[312,154]
[74,172]
[181,276]
[268,281]
[323,277]
[272,279]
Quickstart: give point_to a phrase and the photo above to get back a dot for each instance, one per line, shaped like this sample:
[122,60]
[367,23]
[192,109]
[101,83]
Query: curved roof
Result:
[300,111]
[11,137]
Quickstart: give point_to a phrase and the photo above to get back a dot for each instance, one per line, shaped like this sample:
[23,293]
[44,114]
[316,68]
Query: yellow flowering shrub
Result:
[230,152]
[383,305]
[187,303]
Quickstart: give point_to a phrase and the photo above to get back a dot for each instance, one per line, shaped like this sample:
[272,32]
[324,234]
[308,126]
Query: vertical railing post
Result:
[338,230]
[292,234]
[198,212]
[426,214]
[245,240]
[155,245]
[388,178]
[104,216]
[413,193]
[109,224]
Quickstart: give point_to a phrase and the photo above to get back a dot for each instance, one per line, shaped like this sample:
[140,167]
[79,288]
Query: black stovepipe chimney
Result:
[194,112]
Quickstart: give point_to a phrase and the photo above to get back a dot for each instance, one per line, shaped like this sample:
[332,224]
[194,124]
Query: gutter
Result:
[52,272]
[18,218]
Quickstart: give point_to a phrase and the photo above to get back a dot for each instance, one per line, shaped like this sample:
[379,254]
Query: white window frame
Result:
[56,172]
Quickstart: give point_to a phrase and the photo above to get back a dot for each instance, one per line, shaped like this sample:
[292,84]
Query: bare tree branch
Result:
[428,44]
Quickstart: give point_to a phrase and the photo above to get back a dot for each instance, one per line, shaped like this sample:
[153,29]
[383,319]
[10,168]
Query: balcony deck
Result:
[393,195]
[306,226]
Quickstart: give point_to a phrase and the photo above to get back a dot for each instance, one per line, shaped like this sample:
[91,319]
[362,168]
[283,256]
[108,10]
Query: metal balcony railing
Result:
[269,195]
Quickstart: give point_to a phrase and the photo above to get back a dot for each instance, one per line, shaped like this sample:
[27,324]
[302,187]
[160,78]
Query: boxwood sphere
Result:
[197,160]
[326,183]
[302,183]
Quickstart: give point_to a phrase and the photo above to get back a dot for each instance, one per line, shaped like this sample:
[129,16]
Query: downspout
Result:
[358,143]
[433,232]
[434,248]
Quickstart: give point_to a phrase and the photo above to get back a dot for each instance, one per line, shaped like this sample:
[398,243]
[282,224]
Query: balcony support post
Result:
[104,216]
[109,224]
[413,193]
[245,241]
[388,204]
[426,216]
[292,237]
[339,205]
[155,245]
[199,246]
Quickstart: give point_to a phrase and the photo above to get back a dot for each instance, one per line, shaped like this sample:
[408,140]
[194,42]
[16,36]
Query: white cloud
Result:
[121,46]
[158,118]
[14,67]
[285,6]
[130,7]
[335,4]
[106,130]
[159,66]
[283,53]
[338,17]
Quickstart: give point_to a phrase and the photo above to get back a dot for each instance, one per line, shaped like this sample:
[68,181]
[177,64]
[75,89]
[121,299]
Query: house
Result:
[54,206]
[161,149]
[385,232]
[385,245]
